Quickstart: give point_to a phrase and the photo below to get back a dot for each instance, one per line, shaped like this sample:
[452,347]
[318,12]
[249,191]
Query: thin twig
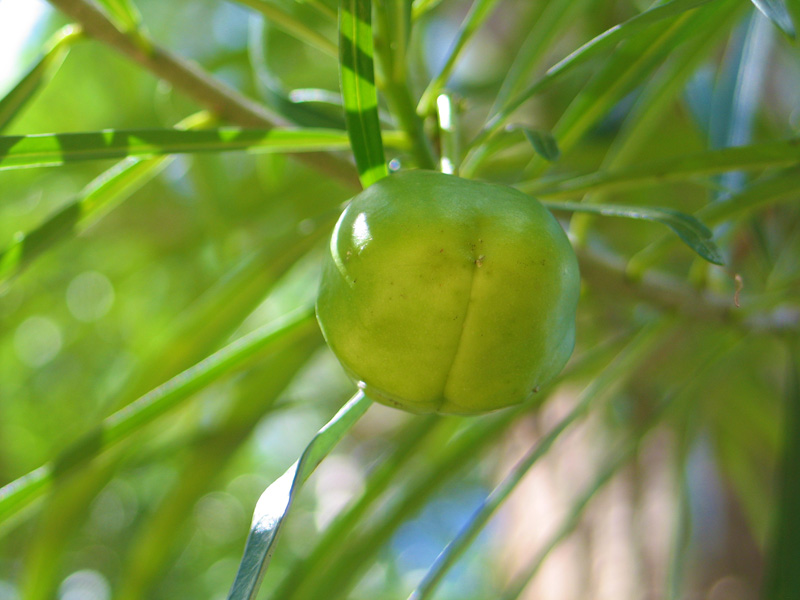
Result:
[605,272]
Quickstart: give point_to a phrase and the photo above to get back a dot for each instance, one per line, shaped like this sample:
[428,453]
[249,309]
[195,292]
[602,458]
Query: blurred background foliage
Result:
[679,448]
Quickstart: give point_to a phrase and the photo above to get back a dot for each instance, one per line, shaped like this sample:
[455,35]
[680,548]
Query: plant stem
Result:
[606,274]
[390,54]
[195,82]
[402,106]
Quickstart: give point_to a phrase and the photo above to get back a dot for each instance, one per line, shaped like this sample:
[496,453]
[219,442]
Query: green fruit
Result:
[441,294]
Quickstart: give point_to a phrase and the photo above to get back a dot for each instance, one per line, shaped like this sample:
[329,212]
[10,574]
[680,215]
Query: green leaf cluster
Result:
[169,176]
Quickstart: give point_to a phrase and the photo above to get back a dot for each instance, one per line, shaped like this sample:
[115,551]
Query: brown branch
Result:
[606,273]
[195,82]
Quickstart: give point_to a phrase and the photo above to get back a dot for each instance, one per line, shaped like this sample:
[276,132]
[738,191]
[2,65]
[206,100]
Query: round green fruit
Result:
[441,294]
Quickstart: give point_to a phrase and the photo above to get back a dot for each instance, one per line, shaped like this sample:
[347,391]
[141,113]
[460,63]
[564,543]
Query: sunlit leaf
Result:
[276,500]
[776,11]
[59,148]
[357,78]
[124,12]
[212,451]
[39,74]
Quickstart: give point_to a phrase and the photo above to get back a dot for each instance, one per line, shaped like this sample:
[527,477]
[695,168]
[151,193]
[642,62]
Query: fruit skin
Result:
[441,294]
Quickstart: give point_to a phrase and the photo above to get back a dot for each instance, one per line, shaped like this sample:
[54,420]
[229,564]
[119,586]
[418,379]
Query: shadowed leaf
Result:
[696,235]
[543,143]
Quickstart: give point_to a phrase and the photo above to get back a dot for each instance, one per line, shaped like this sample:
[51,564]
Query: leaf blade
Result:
[543,143]
[357,79]
[694,234]
[21,492]
[39,74]
[275,502]
[781,153]
[55,149]
[591,49]
[777,12]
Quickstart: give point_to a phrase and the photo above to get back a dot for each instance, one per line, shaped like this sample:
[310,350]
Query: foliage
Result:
[169,176]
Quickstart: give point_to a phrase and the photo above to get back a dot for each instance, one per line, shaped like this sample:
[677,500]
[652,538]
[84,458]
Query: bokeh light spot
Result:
[85,585]
[37,341]
[90,296]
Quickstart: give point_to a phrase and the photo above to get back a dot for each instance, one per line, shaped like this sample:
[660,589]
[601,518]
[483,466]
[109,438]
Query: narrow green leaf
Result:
[589,50]
[682,522]
[91,204]
[421,7]
[292,25]
[696,235]
[275,502]
[412,441]
[551,23]
[212,449]
[357,78]
[782,153]
[356,553]
[781,187]
[777,12]
[543,143]
[321,8]
[481,516]
[39,75]
[476,17]
[782,578]
[652,105]
[633,63]
[124,12]
[271,88]
[54,149]
[658,92]
[133,418]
